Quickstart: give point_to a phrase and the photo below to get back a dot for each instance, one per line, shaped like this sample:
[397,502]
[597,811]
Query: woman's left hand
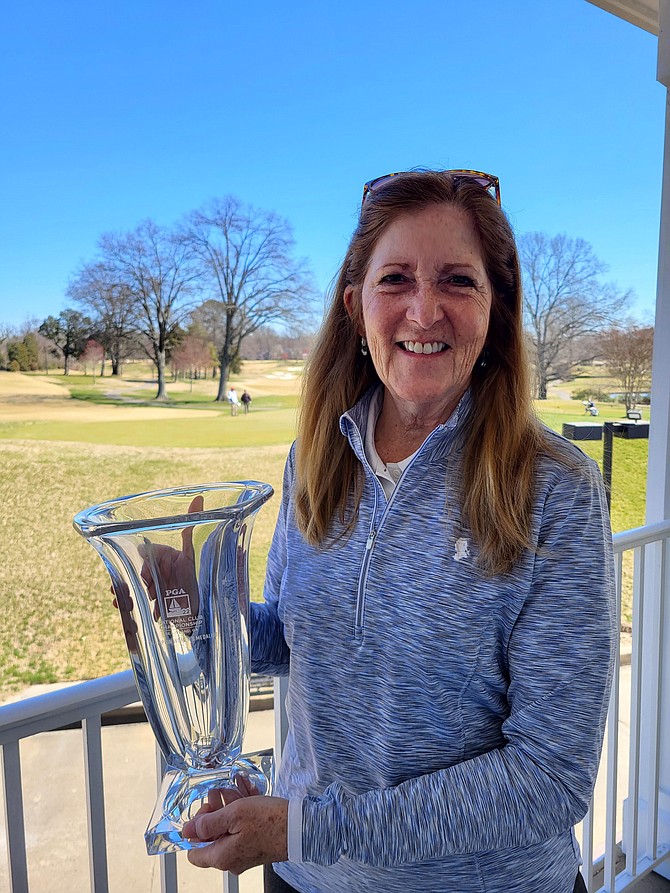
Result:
[247,831]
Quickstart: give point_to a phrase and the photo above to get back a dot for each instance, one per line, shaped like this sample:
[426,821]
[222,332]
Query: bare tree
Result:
[564,300]
[249,273]
[113,309]
[627,351]
[157,269]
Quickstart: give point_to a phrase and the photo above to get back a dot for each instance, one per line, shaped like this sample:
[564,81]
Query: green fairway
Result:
[258,428]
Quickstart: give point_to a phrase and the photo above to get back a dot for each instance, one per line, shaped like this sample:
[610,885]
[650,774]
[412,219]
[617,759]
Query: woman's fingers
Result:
[214,800]
[251,831]
[246,786]
[217,798]
[197,505]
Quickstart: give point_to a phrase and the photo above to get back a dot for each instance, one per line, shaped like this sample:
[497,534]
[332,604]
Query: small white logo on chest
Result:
[461,549]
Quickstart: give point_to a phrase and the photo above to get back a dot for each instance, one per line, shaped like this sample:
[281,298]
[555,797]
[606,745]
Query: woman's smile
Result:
[417,347]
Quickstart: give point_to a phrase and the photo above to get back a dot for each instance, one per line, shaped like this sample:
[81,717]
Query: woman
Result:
[439,586]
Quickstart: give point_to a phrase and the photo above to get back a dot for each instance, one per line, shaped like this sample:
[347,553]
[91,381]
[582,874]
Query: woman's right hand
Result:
[217,798]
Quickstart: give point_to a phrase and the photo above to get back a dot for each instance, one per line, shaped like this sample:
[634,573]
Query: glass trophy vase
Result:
[178,560]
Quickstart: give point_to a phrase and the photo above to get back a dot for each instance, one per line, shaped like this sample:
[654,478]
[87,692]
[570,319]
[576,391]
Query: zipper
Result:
[362,580]
[356,441]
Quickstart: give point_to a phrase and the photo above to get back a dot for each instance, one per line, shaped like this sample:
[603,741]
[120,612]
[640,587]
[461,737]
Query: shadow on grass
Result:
[182,401]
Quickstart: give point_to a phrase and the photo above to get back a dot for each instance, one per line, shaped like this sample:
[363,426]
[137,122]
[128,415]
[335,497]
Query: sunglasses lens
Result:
[484,180]
[371,185]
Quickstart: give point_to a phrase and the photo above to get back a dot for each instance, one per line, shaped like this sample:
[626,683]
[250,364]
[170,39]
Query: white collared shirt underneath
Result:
[388,473]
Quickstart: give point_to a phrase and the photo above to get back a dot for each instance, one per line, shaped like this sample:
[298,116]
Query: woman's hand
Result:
[171,568]
[246,831]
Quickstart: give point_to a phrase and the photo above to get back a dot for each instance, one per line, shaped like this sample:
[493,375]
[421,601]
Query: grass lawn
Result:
[58,622]
[629,462]
[215,429]
[59,455]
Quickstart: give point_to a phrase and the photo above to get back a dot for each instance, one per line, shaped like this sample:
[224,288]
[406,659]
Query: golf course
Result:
[69,442]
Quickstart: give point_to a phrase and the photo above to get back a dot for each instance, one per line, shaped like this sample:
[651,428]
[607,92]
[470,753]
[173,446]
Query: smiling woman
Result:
[439,587]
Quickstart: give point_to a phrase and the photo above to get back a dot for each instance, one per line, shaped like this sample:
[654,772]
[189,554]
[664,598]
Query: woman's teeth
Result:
[418,347]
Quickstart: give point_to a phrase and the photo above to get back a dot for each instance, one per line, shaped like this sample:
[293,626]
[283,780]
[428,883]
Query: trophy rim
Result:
[90,523]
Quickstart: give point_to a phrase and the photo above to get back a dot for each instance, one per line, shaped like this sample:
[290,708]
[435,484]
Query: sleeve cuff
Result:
[295,829]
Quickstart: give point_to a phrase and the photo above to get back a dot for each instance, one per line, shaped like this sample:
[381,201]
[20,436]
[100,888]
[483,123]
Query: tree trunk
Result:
[223,381]
[160,371]
[225,356]
[66,370]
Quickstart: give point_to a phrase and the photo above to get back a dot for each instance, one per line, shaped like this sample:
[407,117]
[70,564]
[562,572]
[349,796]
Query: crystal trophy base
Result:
[183,792]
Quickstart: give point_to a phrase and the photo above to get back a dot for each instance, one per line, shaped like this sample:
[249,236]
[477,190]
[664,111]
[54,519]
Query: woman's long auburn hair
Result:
[503,437]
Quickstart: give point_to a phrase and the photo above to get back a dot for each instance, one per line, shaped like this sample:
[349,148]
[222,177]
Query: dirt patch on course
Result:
[16,385]
[28,398]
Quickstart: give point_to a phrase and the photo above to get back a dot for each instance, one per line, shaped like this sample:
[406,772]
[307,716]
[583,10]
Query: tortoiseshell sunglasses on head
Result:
[486,181]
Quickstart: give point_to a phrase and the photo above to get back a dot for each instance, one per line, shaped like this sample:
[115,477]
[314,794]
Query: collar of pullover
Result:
[353,423]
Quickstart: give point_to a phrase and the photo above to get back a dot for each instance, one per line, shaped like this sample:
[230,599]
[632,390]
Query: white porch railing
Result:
[636,818]
[628,814]
[82,704]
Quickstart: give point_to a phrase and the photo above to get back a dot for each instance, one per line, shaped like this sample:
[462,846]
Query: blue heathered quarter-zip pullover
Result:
[445,727]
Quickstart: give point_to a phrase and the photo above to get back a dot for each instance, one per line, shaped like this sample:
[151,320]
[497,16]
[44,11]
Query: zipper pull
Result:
[370,540]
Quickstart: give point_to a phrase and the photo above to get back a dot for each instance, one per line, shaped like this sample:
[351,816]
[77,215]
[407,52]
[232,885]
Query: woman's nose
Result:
[425,306]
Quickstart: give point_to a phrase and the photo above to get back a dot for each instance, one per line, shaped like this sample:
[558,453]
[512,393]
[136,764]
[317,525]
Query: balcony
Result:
[80,773]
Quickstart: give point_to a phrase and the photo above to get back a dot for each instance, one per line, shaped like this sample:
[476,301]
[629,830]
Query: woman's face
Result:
[426,301]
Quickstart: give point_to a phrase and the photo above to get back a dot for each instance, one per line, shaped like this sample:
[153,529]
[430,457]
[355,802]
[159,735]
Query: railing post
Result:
[95,804]
[14,823]
[607,461]
[231,883]
[168,862]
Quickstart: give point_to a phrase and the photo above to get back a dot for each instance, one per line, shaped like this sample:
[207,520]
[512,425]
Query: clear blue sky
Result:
[115,112]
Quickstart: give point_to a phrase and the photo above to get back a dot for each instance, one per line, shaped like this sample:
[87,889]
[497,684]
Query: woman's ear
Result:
[349,300]
[350,306]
